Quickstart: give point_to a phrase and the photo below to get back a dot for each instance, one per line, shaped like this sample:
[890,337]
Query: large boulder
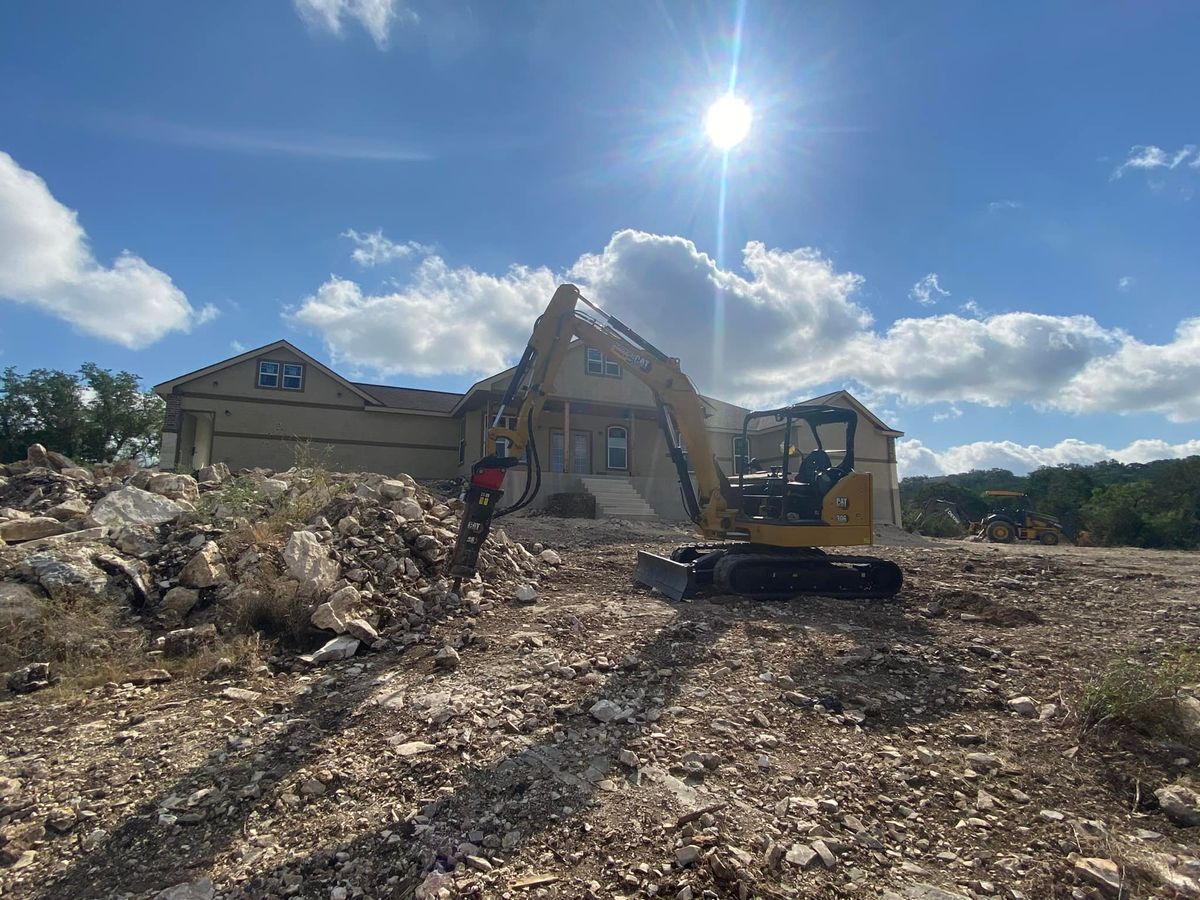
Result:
[67,574]
[177,603]
[19,602]
[177,487]
[133,506]
[308,562]
[343,606]
[36,456]
[205,569]
[75,508]
[409,509]
[17,530]
[214,474]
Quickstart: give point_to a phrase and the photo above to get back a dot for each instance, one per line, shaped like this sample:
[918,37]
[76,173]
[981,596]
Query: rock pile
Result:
[336,562]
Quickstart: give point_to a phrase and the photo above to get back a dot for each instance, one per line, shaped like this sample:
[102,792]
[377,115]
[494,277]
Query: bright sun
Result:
[728,122]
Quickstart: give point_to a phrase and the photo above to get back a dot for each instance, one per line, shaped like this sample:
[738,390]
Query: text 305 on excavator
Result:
[762,531]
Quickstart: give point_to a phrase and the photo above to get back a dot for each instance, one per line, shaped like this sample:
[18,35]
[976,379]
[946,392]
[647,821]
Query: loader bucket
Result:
[672,579]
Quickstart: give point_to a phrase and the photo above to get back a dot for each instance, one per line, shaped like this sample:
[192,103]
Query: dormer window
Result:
[268,374]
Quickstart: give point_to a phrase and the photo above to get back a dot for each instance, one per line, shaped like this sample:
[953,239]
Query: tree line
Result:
[94,415]
[1154,504]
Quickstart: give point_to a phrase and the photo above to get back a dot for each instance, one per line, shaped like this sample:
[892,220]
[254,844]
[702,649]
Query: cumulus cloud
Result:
[45,262]
[444,320]
[914,458]
[375,16]
[373,249]
[785,323]
[1148,156]
[927,290]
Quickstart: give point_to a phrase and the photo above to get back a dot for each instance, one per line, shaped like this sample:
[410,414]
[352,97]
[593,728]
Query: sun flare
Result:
[728,122]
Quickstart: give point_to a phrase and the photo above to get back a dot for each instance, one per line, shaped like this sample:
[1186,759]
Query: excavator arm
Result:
[680,406]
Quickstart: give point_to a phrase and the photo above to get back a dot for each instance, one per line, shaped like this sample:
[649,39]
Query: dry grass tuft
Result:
[1140,697]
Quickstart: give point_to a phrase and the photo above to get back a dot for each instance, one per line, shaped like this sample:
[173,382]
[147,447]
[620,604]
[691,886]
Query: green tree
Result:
[93,416]
[122,420]
[1062,491]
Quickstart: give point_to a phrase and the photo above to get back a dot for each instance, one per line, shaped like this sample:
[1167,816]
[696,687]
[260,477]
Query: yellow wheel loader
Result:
[762,530]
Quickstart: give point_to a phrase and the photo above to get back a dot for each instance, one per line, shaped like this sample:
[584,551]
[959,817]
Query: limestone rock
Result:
[1024,706]
[177,487]
[177,603]
[1103,873]
[187,641]
[74,508]
[342,647]
[801,855]
[361,629]
[551,558]
[213,474]
[343,605]
[195,890]
[308,562]
[391,489]
[526,594]
[67,574]
[604,711]
[409,509]
[36,456]
[1180,802]
[446,658]
[205,569]
[410,748]
[17,530]
[30,678]
[19,603]
[132,506]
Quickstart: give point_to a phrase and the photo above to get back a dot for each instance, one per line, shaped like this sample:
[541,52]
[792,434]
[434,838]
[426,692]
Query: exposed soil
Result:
[737,732]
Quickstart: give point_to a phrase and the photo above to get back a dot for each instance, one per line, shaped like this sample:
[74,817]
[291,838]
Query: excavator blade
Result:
[675,580]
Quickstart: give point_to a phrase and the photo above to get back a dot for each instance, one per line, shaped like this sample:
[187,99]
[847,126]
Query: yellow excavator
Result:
[762,531]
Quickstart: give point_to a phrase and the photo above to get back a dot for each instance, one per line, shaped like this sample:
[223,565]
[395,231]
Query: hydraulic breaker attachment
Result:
[482,496]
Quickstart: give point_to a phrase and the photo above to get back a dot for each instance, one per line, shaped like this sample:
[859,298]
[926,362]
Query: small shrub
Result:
[273,616]
[1140,697]
[241,497]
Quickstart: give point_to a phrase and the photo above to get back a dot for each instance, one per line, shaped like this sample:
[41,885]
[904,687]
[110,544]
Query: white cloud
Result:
[375,16]
[1002,205]
[1148,156]
[784,324]
[373,249]
[952,412]
[237,346]
[914,458]
[924,291]
[1125,282]
[45,262]
[443,321]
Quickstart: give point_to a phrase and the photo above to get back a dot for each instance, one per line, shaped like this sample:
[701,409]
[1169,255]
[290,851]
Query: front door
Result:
[581,452]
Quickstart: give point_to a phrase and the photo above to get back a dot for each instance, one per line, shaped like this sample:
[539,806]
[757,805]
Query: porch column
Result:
[567,469]
[629,456]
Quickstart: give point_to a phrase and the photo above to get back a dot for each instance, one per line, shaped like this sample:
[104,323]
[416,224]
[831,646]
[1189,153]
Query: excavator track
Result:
[767,573]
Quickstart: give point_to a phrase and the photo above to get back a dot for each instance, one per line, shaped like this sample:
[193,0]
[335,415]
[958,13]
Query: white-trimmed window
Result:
[268,374]
[601,364]
[293,376]
[618,447]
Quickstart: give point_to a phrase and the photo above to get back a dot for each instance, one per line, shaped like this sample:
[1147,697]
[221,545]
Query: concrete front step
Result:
[617,497]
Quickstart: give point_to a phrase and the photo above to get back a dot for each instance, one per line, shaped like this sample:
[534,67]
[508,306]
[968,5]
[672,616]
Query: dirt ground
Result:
[811,748]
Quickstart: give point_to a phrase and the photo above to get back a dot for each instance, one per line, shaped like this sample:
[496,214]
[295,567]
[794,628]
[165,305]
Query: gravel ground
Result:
[602,742]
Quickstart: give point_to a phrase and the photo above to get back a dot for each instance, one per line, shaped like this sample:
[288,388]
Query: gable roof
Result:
[167,387]
[412,398]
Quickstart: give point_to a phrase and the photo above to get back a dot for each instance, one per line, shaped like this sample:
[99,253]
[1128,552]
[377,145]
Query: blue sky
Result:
[980,218]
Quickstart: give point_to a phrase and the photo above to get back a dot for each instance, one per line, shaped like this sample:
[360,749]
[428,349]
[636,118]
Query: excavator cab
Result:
[794,491]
